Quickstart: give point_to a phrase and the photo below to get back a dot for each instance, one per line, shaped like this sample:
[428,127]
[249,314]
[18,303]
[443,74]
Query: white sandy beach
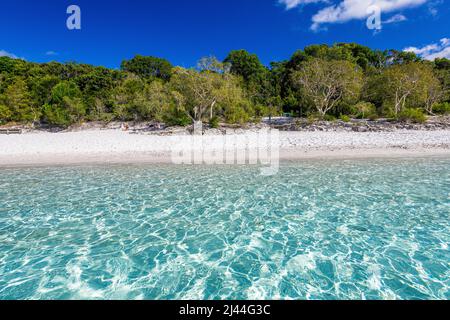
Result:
[115,146]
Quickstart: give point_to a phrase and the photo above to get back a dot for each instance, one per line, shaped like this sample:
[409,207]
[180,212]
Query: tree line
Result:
[344,81]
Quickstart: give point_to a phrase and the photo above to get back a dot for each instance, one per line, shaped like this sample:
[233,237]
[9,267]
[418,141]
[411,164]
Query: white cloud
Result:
[4,53]
[445,42]
[423,51]
[395,19]
[348,10]
[444,53]
[291,4]
[433,51]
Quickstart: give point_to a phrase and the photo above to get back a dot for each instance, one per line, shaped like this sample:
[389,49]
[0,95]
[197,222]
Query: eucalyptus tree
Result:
[409,85]
[326,83]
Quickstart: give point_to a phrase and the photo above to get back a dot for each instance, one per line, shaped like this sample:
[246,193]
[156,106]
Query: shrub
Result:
[412,115]
[261,111]
[176,117]
[312,118]
[442,108]
[365,110]
[237,114]
[214,122]
[345,118]
[329,117]
[54,115]
[5,114]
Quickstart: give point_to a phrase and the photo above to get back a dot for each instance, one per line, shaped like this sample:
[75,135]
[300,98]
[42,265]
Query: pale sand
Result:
[115,147]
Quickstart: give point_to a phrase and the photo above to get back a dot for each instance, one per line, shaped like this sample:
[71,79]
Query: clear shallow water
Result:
[375,229]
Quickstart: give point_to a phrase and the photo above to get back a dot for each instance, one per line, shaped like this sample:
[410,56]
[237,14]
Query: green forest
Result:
[342,81]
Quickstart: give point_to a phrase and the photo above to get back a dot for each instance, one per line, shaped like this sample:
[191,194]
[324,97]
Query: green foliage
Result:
[412,115]
[18,100]
[344,80]
[245,65]
[176,116]
[345,118]
[237,114]
[64,89]
[442,108]
[404,85]
[364,110]
[326,83]
[214,122]
[55,115]
[148,67]
[65,113]
[5,114]
[329,117]
[312,118]
[66,105]
[41,88]
[127,103]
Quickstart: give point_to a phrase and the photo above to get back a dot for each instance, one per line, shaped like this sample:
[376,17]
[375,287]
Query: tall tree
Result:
[66,106]
[410,84]
[19,101]
[328,82]
[199,90]
[148,67]
[442,70]
[245,65]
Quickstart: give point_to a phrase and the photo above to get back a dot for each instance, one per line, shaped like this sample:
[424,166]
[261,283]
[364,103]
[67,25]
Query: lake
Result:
[328,229]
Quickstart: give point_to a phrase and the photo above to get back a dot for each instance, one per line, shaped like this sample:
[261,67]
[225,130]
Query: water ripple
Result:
[358,229]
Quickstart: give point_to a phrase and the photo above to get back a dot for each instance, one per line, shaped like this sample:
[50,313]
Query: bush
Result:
[442,108]
[261,111]
[364,110]
[176,117]
[412,115]
[214,122]
[54,115]
[236,114]
[5,114]
[312,118]
[345,118]
[329,117]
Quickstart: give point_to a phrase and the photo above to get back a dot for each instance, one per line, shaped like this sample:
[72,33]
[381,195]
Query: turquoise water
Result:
[376,229]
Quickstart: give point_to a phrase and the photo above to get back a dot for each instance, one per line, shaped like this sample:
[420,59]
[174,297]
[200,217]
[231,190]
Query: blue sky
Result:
[185,30]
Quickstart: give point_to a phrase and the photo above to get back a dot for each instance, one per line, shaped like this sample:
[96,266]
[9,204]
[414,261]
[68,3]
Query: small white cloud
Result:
[444,53]
[445,42]
[51,53]
[291,4]
[433,51]
[4,53]
[423,51]
[396,19]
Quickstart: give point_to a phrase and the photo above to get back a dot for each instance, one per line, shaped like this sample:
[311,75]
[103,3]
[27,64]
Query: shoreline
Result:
[117,147]
[164,159]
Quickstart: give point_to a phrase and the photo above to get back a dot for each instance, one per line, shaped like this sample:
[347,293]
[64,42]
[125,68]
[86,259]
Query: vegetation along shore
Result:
[343,81]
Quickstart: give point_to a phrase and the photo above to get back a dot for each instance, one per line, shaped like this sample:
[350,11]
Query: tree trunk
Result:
[198,128]
[211,110]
